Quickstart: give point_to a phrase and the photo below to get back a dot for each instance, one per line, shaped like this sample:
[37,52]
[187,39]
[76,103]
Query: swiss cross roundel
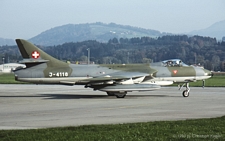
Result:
[35,54]
[175,71]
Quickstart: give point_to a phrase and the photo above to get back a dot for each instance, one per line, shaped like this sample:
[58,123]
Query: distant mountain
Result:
[93,31]
[7,42]
[103,32]
[216,30]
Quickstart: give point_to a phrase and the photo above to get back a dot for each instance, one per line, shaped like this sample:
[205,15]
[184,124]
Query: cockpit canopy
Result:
[173,63]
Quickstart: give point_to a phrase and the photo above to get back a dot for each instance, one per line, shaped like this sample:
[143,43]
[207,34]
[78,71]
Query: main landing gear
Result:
[187,91]
[117,94]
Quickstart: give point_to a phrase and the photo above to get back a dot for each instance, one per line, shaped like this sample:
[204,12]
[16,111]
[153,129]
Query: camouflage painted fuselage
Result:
[115,79]
[74,73]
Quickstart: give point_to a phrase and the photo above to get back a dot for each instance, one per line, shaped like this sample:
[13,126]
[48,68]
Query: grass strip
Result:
[215,81]
[198,129]
[9,78]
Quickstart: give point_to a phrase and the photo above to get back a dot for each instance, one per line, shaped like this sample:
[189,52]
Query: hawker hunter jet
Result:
[114,79]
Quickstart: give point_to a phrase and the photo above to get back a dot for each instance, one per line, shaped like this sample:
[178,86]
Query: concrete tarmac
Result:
[42,106]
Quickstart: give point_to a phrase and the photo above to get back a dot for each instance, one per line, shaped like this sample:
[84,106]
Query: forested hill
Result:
[93,31]
[205,51]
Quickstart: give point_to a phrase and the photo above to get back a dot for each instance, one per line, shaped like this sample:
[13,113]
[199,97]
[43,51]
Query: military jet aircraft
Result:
[114,79]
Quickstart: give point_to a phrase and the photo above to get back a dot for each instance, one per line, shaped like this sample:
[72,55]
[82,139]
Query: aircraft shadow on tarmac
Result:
[80,96]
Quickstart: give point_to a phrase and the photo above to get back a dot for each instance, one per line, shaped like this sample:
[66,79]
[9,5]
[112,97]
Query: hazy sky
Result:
[28,18]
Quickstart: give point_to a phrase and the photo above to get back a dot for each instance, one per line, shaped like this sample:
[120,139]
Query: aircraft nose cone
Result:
[207,72]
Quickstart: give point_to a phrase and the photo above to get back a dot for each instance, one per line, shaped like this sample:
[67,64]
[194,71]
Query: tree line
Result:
[204,51]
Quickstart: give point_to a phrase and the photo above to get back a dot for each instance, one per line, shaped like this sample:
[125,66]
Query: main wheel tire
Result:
[120,95]
[185,93]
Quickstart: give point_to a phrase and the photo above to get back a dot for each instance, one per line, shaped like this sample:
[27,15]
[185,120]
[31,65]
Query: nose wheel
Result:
[187,91]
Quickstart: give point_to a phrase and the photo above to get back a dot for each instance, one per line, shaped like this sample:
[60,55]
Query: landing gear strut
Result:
[110,94]
[187,91]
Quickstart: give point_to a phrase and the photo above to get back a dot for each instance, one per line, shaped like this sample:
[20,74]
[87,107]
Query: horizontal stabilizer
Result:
[31,62]
[25,61]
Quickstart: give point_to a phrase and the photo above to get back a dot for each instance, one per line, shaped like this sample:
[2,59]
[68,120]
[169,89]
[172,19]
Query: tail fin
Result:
[32,55]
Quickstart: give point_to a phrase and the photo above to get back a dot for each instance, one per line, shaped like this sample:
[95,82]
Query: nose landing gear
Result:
[187,91]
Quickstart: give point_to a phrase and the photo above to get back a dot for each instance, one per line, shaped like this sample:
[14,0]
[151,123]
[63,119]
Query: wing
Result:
[116,78]
[120,81]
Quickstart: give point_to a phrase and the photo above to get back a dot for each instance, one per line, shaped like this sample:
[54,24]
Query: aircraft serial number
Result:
[58,74]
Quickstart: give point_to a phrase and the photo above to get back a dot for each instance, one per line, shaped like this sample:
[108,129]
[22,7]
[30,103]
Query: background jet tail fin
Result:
[35,55]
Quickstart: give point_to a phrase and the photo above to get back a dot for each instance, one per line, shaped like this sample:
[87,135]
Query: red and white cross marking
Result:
[35,54]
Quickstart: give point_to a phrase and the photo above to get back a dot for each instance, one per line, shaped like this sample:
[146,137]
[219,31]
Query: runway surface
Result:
[41,106]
